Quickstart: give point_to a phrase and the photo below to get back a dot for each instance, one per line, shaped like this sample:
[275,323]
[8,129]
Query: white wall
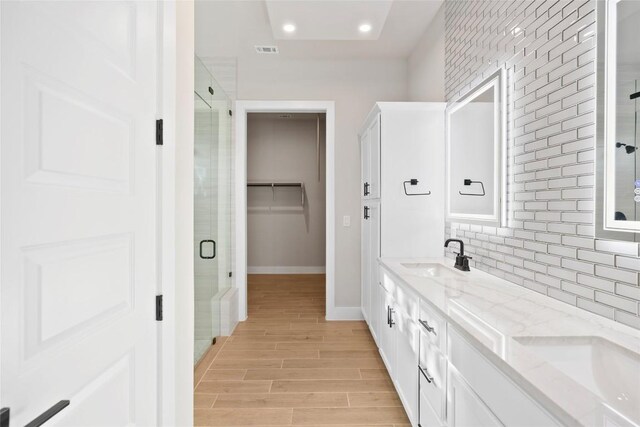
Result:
[283,235]
[354,85]
[425,71]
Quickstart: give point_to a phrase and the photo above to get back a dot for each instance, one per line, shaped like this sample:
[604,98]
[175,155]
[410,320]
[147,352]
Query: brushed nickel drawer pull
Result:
[427,326]
[426,375]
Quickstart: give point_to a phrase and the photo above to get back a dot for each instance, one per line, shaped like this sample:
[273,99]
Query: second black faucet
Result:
[462,261]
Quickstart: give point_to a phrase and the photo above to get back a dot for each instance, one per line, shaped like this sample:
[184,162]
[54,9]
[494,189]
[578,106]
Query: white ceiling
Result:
[228,28]
[327,20]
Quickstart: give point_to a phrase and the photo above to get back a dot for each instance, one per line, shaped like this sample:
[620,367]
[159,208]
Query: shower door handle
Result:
[202,242]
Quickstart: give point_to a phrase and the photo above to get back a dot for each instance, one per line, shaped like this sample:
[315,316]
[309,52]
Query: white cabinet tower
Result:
[402,153]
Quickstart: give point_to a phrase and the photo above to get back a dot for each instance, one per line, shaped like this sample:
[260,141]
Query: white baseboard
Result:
[286,270]
[345,313]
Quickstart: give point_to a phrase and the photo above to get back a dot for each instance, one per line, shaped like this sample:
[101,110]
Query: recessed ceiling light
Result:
[289,28]
[364,28]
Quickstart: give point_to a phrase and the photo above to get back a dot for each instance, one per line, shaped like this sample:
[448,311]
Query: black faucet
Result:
[462,260]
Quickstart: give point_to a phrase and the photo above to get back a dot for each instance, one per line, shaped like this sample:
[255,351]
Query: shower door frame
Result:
[242,109]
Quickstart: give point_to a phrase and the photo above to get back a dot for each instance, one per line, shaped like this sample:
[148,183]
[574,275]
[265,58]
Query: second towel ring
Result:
[469,182]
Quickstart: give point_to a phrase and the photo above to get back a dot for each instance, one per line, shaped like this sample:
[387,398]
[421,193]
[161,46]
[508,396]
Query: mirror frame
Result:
[607,226]
[496,80]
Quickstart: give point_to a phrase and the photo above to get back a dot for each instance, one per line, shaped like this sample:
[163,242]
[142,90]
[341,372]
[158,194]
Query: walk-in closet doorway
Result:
[276,194]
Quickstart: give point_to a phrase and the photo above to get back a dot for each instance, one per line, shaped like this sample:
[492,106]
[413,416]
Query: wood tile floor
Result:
[287,366]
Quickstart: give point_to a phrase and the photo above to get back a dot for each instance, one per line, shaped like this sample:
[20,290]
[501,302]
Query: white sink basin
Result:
[430,269]
[606,369]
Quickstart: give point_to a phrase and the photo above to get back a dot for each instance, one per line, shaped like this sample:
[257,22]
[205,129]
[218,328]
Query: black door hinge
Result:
[159,132]
[230,113]
[230,274]
[159,307]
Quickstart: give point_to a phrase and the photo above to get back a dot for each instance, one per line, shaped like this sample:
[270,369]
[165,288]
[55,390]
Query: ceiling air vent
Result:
[267,49]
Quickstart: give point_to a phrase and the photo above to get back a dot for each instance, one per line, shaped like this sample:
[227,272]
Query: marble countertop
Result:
[499,318]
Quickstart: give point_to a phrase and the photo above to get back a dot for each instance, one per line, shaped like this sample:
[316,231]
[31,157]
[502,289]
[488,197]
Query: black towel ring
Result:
[413,181]
[469,182]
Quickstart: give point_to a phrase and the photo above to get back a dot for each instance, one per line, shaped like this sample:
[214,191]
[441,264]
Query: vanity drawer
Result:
[506,400]
[387,281]
[406,301]
[432,370]
[433,326]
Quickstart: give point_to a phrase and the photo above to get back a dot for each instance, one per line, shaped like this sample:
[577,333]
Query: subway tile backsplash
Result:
[548,49]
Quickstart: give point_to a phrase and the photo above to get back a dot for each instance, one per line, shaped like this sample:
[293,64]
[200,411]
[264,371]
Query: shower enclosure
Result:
[212,205]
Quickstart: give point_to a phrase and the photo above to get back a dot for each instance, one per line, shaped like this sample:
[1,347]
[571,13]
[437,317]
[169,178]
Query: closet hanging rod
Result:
[275,184]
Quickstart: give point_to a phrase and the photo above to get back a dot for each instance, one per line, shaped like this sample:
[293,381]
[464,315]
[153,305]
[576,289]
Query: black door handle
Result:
[48,414]
[202,242]
[4,417]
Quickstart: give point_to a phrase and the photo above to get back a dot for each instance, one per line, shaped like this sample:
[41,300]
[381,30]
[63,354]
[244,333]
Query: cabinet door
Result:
[387,334]
[374,158]
[407,374]
[365,165]
[373,273]
[464,407]
[365,264]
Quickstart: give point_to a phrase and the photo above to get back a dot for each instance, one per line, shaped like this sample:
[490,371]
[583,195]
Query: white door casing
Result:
[78,213]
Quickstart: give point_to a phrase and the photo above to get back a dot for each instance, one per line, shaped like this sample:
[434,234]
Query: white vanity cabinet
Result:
[399,342]
[432,365]
[400,142]
[488,388]
[441,377]
[370,157]
[407,347]
[466,408]
[370,251]
[386,333]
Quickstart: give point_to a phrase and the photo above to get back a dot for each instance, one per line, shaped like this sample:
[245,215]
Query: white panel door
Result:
[373,273]
[365,164]
[387,334]
[374,158]
[78,217]
[365,263]
[406,375]
[464,407]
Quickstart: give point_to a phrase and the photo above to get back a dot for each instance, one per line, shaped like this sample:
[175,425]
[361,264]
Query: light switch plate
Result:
[346,221]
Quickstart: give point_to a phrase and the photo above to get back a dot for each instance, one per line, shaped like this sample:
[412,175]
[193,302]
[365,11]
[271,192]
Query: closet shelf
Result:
[273,186]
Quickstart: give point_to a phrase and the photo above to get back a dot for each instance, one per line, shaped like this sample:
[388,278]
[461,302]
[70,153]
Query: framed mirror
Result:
[476,148]
[618,130]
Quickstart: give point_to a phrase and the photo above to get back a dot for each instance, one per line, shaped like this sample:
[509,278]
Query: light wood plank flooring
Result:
[286,365]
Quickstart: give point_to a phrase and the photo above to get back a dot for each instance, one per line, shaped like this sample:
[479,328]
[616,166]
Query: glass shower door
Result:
[212,207]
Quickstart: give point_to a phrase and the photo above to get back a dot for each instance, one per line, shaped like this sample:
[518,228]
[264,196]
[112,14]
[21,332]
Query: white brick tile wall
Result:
[549,245]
